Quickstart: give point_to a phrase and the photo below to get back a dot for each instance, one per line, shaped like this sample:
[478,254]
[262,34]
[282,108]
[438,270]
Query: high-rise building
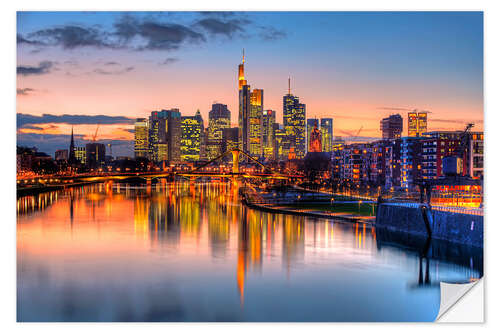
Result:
[268,122]
[281,144]
[311,124]
[191,135]
[165,135]
[294,122]
[229,139]
[219,118]
[255,123]
[417,123]
[315,140]
[95,155]
[326,130]
[244,107]
[392,126]
[80,155]
[141,134]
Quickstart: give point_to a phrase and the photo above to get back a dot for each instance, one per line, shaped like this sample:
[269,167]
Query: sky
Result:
[81,69]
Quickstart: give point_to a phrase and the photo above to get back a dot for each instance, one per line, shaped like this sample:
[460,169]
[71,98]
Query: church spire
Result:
[71,157]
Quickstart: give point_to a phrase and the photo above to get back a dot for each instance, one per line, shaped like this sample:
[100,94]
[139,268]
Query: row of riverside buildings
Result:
[397,162]
[168,136]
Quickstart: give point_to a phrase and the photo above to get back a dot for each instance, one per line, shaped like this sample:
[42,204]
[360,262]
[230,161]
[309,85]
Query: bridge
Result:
[55,181]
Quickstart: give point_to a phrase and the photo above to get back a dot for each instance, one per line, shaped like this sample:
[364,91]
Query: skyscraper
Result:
[315,140]
[417,123]
[281,144]
[219,118]
[165,135]
[141,137]
[255,123]
[311,124]
[326,130]
[268,121]
[392,126]
[191,136]
[294,122]
[244,107]
[95,155]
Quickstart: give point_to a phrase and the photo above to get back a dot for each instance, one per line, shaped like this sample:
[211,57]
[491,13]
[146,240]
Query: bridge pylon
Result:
[236,161]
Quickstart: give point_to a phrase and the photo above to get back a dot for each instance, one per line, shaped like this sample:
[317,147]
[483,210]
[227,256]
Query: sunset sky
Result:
[89,68]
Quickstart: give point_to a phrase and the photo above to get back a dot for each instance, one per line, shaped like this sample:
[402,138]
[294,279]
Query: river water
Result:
[192,252]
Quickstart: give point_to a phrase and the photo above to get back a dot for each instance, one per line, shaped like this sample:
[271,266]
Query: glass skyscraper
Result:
[191,137]
[326,128]
[219,118]
[294,122]
[141,138]
[268,121]
[255,123]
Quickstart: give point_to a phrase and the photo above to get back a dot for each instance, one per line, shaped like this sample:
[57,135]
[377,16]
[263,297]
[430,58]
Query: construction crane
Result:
[453,164]
[95,134]
[359,131]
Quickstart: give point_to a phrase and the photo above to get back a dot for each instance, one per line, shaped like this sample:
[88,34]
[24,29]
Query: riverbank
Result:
[24,191]
[286,209]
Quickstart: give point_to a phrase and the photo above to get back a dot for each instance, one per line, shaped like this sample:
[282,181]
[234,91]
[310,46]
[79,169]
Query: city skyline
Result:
[447,81]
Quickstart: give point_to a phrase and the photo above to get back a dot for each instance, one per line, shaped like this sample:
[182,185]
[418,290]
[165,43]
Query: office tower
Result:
[268,122]
[156,135]
[417,123]
[229,140]
[165,135]
[141,134]
[218,119]
[95,155]
[281,144]
[255,123]
[203,148]
[315,140]
[294,122]
[80,155]
[311,123]
[244,107]
[392,126]
[61,155]
[191,136]
[326,129]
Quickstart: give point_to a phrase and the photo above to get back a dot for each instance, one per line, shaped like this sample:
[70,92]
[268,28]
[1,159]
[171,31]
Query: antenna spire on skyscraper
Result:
[288,85]
[243,61]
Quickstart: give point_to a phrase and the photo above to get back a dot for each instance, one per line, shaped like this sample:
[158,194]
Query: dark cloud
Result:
[113,72]
[24,91]
[155,35]
[228,28]
[43,67]
[271,33]
[25,119]
[154,32]
[169,61]
[111,63]
[71,37]
[22,40]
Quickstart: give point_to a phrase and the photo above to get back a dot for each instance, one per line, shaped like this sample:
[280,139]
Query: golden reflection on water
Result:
[196,221]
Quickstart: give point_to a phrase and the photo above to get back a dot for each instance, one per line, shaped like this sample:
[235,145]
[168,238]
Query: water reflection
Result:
[172,252]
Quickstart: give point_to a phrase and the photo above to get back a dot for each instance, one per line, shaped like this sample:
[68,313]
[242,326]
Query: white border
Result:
[8,132]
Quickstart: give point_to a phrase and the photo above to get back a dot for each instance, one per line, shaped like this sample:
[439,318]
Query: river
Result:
[192,252]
